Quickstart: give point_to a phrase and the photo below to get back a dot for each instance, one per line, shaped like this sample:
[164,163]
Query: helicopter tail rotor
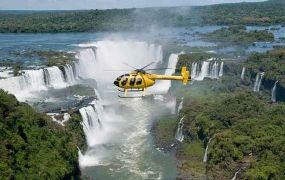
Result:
[185,75]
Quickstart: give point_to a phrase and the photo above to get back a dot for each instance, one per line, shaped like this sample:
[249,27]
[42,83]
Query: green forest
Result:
[237,35]
[259,13]
[32,146]
[245,128]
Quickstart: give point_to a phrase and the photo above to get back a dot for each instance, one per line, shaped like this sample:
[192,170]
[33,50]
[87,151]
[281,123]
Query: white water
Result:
[34,81]
[117,139]
[258,80]
[235,176]
[207,69]
[64,119]
[70,73]
[242,73]
[179,132]
[180,105]
[273,93]
[161,87]
[221,72]
[93,62]
[206,151]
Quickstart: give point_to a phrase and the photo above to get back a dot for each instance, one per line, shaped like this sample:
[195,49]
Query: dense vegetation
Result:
[247,131]
[238,35]
[32,146]
[49,58]
[260,13]
[272,63]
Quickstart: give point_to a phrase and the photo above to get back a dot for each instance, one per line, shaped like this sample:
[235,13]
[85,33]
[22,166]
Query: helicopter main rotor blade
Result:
[129,65]
[147,65]
[157,69]
[117,70]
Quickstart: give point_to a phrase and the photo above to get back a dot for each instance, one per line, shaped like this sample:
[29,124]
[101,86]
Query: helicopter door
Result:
[139,81]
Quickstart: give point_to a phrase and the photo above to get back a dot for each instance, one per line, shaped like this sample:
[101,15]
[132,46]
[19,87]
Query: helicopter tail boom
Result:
[185,77]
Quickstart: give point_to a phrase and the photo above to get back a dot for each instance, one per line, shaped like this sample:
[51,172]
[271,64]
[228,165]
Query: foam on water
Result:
[116,139]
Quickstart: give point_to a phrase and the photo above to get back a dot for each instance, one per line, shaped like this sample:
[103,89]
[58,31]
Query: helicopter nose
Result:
[116,83]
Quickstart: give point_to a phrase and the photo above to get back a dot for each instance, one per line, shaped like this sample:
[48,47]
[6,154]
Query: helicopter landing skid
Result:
[131,90]
[130,96]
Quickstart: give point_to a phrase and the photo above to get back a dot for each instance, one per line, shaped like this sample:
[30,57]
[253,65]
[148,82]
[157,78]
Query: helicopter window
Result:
[119,78]
[132,81]
[124,81]
[127,74]
[139,81]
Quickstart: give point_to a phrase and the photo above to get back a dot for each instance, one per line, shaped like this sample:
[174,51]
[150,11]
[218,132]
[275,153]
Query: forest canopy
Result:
[258,13]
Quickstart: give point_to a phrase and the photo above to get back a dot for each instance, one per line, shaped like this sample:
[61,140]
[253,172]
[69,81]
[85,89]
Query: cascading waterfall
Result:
[194,70]
[56,77]
[163,86]
[207,69]
[93,117]
[180,105]
[258,80]
[235,176]
[179,132]
[70,73]
[92,62]
[113,55]
[221,72]
[242,73]
[273,93]
[214,71]
[91,123]
[206,151]
[37,80]
[87,63]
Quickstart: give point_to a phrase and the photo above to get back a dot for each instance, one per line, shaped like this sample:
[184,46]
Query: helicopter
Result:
[139,79]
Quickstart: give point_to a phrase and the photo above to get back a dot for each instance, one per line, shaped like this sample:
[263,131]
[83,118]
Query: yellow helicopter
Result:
[139,79]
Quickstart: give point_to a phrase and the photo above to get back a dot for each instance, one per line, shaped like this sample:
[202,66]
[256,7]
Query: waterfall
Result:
[204,71]
[56,77]
[179,132]
[214,70]
[194,70]
[206,151]
[257,83]
[32,81]
[86,64]
[171,105]
[235,176]
[180,105]
[91,123]
[221,72]
[207,69]
[93,61]
[70,73]
[163,86]
[273,93]
[242,73]
[112,55]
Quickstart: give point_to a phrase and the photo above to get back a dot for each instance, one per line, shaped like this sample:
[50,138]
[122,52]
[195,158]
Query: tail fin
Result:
[185,75]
